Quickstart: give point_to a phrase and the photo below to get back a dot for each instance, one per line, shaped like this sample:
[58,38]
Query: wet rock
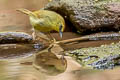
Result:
[15,37]
[108,62]
[17,44]
[103,57]
[88,15]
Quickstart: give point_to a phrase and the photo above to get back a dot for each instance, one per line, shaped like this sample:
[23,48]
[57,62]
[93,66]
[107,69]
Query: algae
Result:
[103,57]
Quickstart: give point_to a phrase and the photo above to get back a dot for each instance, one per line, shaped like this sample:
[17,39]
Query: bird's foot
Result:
[54,41]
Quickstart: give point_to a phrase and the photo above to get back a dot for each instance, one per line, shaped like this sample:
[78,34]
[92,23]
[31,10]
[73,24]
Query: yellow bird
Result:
[45,21]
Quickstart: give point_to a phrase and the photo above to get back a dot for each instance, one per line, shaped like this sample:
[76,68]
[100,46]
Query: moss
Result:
[87,16]
[103,57]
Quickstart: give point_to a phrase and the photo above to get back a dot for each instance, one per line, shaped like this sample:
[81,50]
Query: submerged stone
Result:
[103,57]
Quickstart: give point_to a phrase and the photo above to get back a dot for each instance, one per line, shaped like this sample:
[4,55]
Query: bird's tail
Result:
[25,11]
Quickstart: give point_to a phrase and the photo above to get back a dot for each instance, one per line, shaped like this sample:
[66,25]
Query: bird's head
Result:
[61,29]
[60,26]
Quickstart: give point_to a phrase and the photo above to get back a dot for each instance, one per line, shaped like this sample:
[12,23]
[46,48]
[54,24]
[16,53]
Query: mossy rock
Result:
[88,16]
[103,57]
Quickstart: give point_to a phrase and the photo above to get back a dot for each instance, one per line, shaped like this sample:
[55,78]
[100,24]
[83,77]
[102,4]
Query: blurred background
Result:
[12,20]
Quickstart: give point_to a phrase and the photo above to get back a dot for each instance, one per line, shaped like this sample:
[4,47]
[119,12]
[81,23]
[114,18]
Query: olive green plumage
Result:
[45,21]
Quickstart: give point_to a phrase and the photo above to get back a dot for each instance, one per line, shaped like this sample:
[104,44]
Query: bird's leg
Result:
[33,34]
[52,44]
[53,39]
[42,36]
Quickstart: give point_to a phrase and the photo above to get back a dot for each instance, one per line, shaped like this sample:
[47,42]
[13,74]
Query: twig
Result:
[112,36]
[73,40]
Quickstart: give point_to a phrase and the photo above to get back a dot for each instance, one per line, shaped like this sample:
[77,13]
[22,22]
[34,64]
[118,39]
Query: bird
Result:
[45,21]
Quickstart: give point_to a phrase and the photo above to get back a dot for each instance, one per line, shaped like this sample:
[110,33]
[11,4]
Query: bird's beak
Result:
[60,32]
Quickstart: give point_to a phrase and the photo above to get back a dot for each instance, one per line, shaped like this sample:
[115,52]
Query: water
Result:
[11,20]
[13,69]
[20,68]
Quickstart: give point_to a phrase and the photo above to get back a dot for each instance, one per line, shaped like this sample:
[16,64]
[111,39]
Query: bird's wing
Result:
[44,22]
[43,25]
[46,18]
[47,21]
